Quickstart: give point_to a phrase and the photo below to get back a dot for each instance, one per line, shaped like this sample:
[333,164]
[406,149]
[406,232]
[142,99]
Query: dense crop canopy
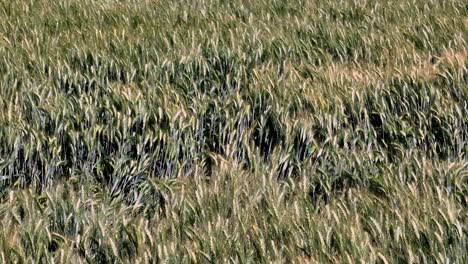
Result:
[233,131]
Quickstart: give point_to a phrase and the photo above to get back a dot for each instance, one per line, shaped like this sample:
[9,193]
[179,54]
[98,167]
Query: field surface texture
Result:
[243,131]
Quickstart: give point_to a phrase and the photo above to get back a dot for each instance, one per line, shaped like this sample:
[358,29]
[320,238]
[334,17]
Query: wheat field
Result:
[242,131]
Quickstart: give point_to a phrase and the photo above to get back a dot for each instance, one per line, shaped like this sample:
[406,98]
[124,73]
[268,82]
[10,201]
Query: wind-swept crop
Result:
[233,131]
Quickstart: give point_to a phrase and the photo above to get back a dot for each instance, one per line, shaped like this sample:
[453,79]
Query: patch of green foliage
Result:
[233,131]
